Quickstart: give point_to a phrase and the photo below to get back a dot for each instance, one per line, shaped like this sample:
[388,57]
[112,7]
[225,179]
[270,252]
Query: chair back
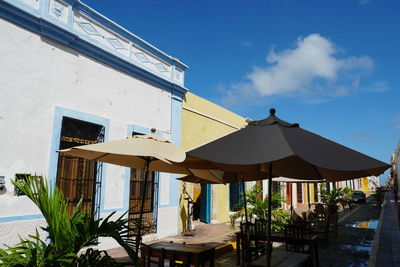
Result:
[321,219]
[295,237]
[261,227]
[247,228]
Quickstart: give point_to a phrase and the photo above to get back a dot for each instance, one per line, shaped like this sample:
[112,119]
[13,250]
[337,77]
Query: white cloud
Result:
[311,69]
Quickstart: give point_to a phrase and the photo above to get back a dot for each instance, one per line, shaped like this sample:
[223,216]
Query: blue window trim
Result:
[59,113]
[38,21]
[27,217]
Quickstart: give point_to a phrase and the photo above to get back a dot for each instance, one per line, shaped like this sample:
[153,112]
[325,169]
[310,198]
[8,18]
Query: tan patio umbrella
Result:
[279,148]
[146,152]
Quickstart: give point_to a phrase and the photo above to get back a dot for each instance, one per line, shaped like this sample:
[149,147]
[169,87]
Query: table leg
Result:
[237,250]
[316,257]
[143,256]
[212,257]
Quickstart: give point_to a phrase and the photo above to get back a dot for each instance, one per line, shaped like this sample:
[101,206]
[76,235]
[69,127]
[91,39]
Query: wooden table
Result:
[191,254]
[279,237]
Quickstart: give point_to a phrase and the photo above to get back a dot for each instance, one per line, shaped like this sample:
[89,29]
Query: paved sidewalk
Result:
[386,247]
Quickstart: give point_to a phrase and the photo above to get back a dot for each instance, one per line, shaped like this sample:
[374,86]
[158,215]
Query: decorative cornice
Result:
[64,33]
[84,9]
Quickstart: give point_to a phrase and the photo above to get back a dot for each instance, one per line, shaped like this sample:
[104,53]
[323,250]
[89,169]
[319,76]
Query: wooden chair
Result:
[261,228]
[149,256]
[158,256]
[321,223]
[249,250]
[295,240]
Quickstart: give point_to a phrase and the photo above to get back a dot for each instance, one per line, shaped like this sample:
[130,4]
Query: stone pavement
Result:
[352,247]
[220,236]
[386,247]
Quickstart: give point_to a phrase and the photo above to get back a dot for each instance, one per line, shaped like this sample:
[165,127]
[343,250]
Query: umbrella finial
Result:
[153,130]
[272,111]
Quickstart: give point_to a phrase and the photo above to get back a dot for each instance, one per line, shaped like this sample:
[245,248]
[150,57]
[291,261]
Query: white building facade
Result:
[68,76]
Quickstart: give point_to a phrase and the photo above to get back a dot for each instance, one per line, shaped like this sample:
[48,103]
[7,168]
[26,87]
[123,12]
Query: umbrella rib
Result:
[315,168]
[217,177]
[102,156]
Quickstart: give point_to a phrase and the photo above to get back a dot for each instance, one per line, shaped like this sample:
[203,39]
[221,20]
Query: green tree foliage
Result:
[68,235]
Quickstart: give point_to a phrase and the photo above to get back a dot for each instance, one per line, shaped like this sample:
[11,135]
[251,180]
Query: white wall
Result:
[38,74]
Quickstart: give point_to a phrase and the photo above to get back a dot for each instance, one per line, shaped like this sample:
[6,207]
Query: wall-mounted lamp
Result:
[2,183]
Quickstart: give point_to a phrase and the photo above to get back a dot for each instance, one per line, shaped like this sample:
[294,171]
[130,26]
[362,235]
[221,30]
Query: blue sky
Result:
[332,66]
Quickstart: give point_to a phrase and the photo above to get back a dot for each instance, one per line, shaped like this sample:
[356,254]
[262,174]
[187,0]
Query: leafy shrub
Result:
[67,234]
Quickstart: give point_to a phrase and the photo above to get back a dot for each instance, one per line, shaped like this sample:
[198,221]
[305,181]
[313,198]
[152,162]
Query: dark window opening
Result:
[299,192]
[79,178]
[23,177]
[315,192]
[235,196]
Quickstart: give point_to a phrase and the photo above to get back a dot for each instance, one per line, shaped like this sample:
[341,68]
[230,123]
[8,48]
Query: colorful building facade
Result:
[202,122]
[70,76]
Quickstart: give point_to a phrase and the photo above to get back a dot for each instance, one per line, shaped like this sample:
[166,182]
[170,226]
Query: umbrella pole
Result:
[146,178]
[269,244]
[244,197]
[308,196]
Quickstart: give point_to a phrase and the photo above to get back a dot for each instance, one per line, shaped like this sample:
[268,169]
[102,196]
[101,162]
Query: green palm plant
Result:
[258,207]
[332,199]
[345,199]
[67,234]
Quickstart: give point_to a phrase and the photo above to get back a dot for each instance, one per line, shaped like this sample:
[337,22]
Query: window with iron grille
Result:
[79,178]
[150,211]
[299,192]
[235,196]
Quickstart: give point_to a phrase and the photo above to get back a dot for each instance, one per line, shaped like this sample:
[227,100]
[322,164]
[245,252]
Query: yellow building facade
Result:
[202,122]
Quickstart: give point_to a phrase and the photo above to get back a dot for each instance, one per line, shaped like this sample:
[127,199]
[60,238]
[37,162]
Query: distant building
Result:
[70,76]
[202,122]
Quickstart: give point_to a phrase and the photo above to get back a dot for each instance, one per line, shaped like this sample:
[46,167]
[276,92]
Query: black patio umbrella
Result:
[279,148]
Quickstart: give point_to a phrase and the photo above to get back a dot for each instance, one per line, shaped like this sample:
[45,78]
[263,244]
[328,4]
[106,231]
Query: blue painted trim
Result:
[229,197]
[48,26]
[59,113]
[111,210]
[205,210]
[208,201]
[174,184]
[21,218]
